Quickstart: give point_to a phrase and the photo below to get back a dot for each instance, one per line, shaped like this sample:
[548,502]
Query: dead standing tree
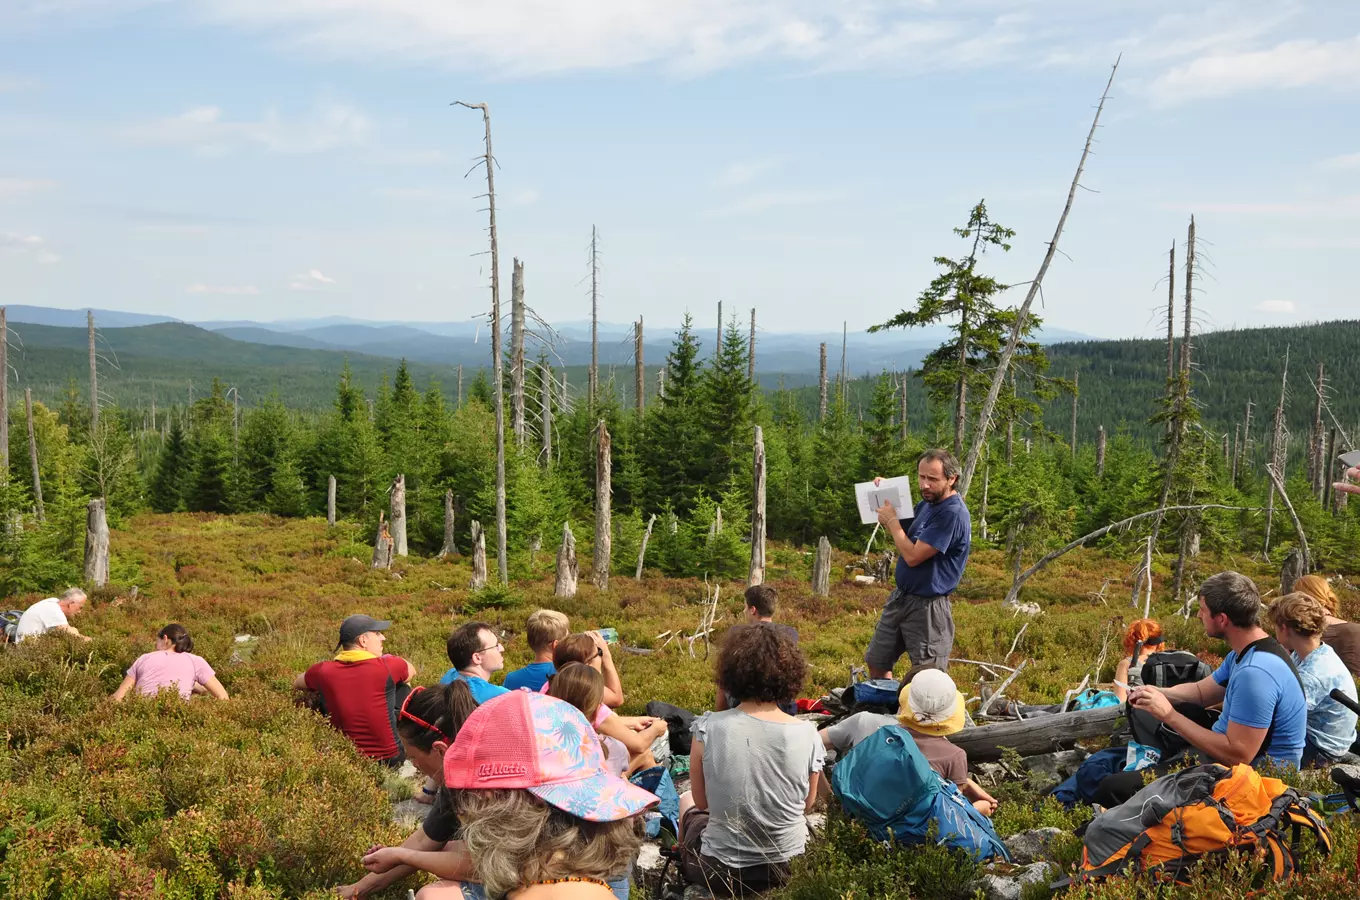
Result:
[94,373]
[517,352]
[382,545]
[497,375]
[566,564]
[96,544]
[593,386]
[1279,445]
[33,454]
[821,568]
[545,401]
[450,547]
[398,499]
[330,501]
[603,495]
[478,580]
[984,424]
[757,572]
[821,387]
[639,369]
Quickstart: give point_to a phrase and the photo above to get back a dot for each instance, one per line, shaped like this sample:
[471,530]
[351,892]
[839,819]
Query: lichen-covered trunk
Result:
[399,515]
[566,564]
[478,557]
[96,544]
[821,568]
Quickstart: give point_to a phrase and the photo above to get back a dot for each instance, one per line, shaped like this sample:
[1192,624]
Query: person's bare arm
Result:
[451,863]
[636,741]
[128,683]
[811,800]
[214,687]
[300,683]
[69,630]
[1121,680]
[1206,692]
[696,775]
[375,881]
[912,552]
[613,685]
[1240,745]
[976,793]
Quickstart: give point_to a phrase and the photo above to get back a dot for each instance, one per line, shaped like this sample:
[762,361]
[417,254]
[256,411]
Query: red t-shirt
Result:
[361,700]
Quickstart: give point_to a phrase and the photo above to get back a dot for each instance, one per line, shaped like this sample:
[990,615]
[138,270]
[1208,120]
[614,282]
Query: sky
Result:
[274,159]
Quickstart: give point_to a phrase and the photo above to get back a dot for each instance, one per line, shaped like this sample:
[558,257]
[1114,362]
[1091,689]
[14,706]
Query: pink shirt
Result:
[166,668]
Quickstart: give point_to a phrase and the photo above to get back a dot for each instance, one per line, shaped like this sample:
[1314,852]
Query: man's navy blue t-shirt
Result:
[947,527]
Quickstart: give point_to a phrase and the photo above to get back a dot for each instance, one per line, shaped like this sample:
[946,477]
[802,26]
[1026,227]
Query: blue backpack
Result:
[885,783]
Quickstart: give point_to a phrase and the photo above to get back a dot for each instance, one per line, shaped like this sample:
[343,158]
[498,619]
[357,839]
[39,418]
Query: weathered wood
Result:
[33,454]
[94,373]
[382,545]
[1278,452]
[330,501]
[1075,393]
[1291,570]
[517,352]
[1277,479]
[1100,451]
[566,564]
[821,386]
[593,383]
[1171,323]
[478,557]
[642,551]
[546,422]
[639,369]
[1041,734]
[450,547]
[399,516]
[4,397]
[603,498]
[756,574]
[751,349]
[821,568]
[96,544]
[1189,317]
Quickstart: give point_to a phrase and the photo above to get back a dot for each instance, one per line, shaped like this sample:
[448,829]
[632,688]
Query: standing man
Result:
[932,551]
[52,614]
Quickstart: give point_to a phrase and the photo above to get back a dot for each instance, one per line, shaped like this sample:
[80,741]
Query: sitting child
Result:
[543,630]
[627,740]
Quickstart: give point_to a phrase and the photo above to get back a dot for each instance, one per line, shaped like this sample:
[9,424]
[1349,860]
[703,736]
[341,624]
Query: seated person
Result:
[427,724]
[589,648]
[1257,685]
[52,614]
[931,708]
[1141,639]
[476,653]
[1299,622]
[627,749]
[173,664]
[363,688]
[1340,635]
[543,630]
[761,600]
[753,769]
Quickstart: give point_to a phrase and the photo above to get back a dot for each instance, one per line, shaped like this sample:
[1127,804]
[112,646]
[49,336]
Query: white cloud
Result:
[27,245]
[242,290]
[206,130]
[1276,307]
[1292,64]
[526,196]
[17,187]
[1345,161]
[311,280]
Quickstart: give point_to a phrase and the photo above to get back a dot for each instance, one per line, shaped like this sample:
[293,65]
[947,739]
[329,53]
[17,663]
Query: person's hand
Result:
[1151,701]
[887,515]
[641,723]
[601,645]
[380,859]
[348,892]
[986,807]
[1346,486]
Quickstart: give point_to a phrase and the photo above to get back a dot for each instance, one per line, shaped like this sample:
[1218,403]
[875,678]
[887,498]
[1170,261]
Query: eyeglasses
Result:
[496,646]
[404,714]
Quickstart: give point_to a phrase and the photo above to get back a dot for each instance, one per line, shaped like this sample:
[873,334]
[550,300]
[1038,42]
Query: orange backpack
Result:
[1186,816]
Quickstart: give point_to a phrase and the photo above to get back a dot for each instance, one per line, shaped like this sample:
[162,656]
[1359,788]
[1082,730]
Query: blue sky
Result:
[285,158]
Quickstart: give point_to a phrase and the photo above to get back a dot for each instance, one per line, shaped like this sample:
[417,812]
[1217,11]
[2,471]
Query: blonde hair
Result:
[516,839]
[544,627]
[1303,613]
[1317,587]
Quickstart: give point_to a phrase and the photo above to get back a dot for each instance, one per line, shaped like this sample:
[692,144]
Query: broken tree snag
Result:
[593,381]
[821,568]
[4,399]
[399,515]
[478,557]
[1291,571]
[1040,734]
[751,350]
[450,547]
[603,534]
[545,399]
[382,545]
[330,501]
[1278,482]
[94,374]
[821,387]
[756,575]
[1075,375]
[1100,452]
[903,420]
[33,454]
[517,352]
[96,544]
[566,564]
[639,369]
[642,552]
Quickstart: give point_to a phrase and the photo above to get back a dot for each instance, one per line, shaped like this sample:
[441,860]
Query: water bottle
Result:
[610,635]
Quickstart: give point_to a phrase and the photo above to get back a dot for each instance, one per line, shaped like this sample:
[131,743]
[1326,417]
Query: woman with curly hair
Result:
[1299,621]
[1340,635]
[753,769]
[1141,639]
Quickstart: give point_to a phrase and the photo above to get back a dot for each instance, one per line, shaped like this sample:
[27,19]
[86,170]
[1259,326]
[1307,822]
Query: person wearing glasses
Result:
[363,688]
[427,723]
[476,653]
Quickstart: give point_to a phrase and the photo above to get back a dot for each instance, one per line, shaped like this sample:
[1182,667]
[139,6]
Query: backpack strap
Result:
[1270,645]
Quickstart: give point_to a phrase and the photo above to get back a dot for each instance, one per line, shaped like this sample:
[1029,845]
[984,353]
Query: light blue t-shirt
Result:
[482,690]
[532,676]
[1331,726]
[1263,693]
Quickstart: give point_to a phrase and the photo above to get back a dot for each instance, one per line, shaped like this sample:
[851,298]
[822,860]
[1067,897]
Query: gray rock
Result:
[409,813]
[1032,846]
[1059,765]
[1007,882]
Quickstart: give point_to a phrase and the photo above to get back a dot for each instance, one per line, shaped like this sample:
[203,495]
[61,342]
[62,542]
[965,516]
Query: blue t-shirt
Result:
[1331,726]
[482,690]
[532,676]
[1263,693]
[947,527]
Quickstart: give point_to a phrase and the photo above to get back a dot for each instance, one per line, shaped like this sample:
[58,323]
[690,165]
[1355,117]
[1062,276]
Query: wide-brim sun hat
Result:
[931,704]
[534,742]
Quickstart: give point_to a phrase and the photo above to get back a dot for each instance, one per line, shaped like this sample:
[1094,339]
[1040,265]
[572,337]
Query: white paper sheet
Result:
[871,496]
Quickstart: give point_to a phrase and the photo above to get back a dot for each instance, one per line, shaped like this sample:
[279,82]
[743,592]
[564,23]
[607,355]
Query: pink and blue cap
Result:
[533,742]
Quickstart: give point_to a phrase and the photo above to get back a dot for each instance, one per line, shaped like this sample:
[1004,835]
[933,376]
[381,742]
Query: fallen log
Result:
[1042,734]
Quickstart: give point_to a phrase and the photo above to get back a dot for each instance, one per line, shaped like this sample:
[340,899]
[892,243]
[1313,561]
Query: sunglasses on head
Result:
[406,714]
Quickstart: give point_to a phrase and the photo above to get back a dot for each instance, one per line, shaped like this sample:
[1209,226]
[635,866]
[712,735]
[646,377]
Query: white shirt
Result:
[40,617]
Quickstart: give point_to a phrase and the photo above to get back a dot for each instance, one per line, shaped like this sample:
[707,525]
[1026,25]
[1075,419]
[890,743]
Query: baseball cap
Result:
[351,628]
[533,742]
[931,704]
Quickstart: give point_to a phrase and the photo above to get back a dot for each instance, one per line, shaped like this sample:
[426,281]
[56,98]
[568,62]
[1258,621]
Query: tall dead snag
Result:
[845,384]
[1100,452]
[984,425]
[450,547]
[593,387]
[330,501]
[96,544]
[1189,295]
[1317,449]
[756,575]
[642,551]
[603,496]
[399,515]
[566,564]
[4,397]
[903,420]
[497,375]
[545,399]
[478,557]
[1170,326]
[517,352]
[1075,375]
[33,454]
[1278,452]
[821,387]
[639,372]
[1327,457]
[751,350]
[1246,439]
[382,545]
[460,386]
[94,373]
[1277,479]
[821,568]
[717,346]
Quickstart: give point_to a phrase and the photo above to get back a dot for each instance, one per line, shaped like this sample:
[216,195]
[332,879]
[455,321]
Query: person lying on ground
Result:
[52,614]
[541,817]
[173,664]
[363,688]
[754,769]
[1299,622]
[427,723]
[589,648]
[476,653]
[761,600]
[1340,635]
[1142,638]
[627,750]
[543,630]
[931,708]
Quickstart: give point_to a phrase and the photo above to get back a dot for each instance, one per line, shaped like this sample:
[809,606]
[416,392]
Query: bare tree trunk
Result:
[1317,450]
[821,387]
[96,544]
[399,516]
[639,369]
[460,386]
[4,397]
[1277,452]
[1236,452]
[1328,465]
[845,383]
[330,501]
[821,568]
[1147,577]
[661,382]
[547,423]
[478,557]
[717,346]
[1075,375]
[566,565]
[94,374]
[1277,479]
[33,454]
[517,352]
[984,425]
[450,547]
[603,522]
[382,545]
[497,375]
[1189,295]
[1170,326]
[1100,452]
[593,386]
[961,387]
[1246,440]
[903,422]
[1291,570]
[642,551]
[751,350]
[756,575]
[986,490]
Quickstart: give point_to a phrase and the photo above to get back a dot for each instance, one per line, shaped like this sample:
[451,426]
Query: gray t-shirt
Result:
[848,732]
[756,777]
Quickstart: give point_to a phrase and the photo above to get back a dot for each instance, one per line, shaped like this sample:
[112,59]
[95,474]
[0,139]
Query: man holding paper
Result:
[932,551]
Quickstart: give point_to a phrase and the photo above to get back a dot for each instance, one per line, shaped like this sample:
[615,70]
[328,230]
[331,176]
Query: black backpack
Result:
[1168,668]
[678,723]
